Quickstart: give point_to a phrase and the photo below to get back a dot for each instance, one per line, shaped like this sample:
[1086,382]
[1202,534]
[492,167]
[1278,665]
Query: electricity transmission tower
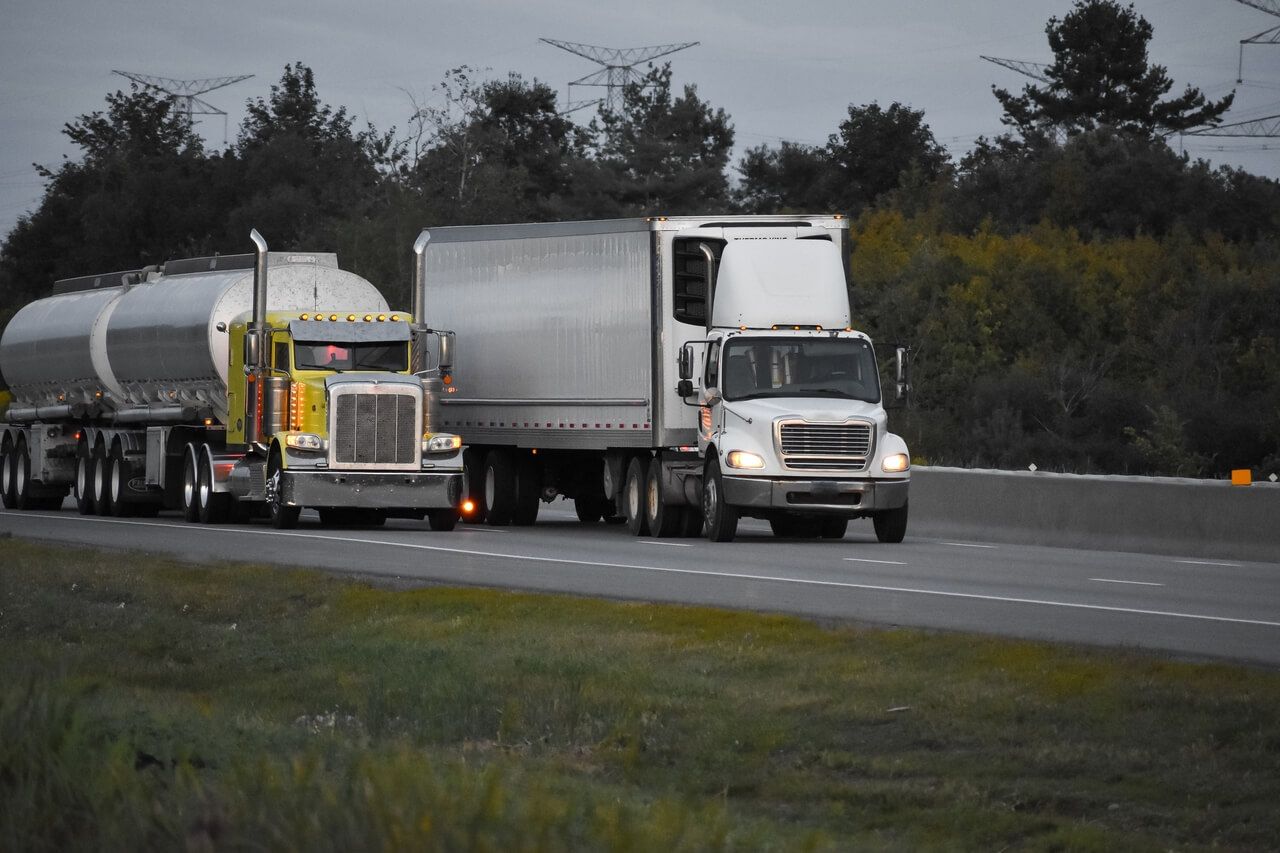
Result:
[1266,126]
[1034,70]
[185,93]
[1271,36]
[619,67]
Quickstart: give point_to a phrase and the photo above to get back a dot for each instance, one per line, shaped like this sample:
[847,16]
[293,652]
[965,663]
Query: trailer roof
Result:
[532,230]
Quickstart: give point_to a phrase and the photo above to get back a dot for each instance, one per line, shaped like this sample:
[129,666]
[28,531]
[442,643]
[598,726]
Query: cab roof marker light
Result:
[304,316]
[368,318]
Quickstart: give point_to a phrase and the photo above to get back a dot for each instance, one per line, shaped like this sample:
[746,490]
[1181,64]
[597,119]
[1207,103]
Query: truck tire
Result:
[473,464]
[834,528]
[84,481]
[211,507]
[22,476]
[589,510]
[118,484]
[190,485]
[8,464]
[633,500]
[528,491]
[891,524]
[663,519]
[691,521]
[283,516]
[721,523]
[443,519]
[499,488]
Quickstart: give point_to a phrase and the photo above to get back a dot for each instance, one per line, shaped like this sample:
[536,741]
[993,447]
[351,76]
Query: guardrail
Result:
[1162,515]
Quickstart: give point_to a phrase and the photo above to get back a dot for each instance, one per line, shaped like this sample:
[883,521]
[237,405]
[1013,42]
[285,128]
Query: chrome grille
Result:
[808,446]
[375,429]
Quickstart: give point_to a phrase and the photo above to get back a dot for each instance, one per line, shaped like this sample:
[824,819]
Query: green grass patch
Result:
[149,703]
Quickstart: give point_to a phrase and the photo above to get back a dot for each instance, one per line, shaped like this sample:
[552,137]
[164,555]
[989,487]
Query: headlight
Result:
[896,463]
[304,441]
[442,443]
[744,459]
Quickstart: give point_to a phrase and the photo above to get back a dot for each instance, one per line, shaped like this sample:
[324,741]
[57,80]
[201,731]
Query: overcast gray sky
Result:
[782,70]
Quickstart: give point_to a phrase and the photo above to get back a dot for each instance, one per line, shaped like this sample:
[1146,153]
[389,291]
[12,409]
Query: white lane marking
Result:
[480,530]
[865,560]
[671,544]
[967,545]
[1135,583]
[667,570]
[1207,563]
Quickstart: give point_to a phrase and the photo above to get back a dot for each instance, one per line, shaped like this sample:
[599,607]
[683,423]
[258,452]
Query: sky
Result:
[781,70]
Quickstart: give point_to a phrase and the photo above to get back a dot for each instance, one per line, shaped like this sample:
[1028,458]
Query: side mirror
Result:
[685,363]
[447,341]
[685,388]
[902,364]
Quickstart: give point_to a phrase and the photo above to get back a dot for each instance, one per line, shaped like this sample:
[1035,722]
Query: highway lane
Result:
[1199,607]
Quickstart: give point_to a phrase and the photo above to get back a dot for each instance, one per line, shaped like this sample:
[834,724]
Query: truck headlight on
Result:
[744,459]
[896,463]
[304,441]
[442,443]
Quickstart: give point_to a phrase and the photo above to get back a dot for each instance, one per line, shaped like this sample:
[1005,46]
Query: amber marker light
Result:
[468,507]
[333,317]
[382,317]
[368,318]
[395,318]
[304,316]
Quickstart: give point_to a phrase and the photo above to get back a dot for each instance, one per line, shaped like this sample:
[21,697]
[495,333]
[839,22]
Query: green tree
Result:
[1101,76]
[664,154]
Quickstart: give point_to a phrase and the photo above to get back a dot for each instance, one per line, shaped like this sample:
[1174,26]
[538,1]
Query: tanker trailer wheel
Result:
[22,476]
[84,480]
[633,496]
[211,507]
[499,490]
[283,516]
[663,519]
[98,492]
[8,460]
[118,484]
[721,523]
[190,485]
[891,524]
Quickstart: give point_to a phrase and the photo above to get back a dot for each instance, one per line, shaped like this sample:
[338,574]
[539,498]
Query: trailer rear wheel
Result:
[98,481]
[8,460]
[22,476]
[84,481]
[118,484]
[499,490]
[721,523]
[190,485]
[891,524]
[633,496]
[664,520]
[528,491]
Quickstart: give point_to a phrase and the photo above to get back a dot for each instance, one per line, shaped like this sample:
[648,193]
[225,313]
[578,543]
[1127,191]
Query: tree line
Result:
[1079,295]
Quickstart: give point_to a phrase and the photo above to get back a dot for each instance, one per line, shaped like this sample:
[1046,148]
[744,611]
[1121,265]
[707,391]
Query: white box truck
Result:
[677,373]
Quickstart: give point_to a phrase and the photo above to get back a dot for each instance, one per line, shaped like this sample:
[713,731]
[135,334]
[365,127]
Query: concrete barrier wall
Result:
[1191,518]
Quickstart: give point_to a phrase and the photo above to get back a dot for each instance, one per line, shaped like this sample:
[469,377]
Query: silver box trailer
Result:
[571,337]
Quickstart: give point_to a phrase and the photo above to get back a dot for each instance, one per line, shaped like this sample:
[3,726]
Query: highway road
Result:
[1189,607]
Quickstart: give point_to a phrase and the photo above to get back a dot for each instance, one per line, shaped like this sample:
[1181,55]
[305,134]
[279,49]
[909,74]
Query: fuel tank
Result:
[160,341]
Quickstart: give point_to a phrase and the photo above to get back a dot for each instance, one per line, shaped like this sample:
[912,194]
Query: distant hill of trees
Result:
[1079,295]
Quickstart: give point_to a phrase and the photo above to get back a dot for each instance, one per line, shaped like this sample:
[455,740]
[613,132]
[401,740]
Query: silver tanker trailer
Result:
[226,386]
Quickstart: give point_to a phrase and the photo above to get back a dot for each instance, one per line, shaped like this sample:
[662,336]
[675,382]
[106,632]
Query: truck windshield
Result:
[800,367]
[322,355]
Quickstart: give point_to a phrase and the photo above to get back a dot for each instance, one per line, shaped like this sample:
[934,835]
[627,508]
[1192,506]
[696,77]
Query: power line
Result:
[185,93]
[619,67]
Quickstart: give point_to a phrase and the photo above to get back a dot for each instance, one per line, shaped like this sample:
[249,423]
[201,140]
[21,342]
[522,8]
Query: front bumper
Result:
[372,490]
[829,497]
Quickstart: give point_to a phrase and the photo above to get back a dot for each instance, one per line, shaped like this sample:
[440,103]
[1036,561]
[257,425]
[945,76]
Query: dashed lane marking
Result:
[1135,583]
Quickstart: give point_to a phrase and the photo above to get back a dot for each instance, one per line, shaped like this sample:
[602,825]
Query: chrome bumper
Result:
[387,490]
[829,497]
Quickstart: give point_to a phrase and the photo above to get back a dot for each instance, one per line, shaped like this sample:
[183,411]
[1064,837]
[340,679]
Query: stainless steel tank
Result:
[158,342]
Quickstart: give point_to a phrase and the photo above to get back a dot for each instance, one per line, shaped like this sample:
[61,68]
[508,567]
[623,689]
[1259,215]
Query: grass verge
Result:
[148,703]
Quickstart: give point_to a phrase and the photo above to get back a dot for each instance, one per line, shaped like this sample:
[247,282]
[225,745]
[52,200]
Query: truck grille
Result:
[807,446]
[375,429]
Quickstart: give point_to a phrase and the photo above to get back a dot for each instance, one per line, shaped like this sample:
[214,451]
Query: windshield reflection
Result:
[800,367]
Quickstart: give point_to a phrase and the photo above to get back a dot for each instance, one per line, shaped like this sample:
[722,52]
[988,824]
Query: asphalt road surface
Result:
[1190,607]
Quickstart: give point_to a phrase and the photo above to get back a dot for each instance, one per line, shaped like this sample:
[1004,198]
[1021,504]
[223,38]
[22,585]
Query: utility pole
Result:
[185,93]
[1271,36]
[619,67]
